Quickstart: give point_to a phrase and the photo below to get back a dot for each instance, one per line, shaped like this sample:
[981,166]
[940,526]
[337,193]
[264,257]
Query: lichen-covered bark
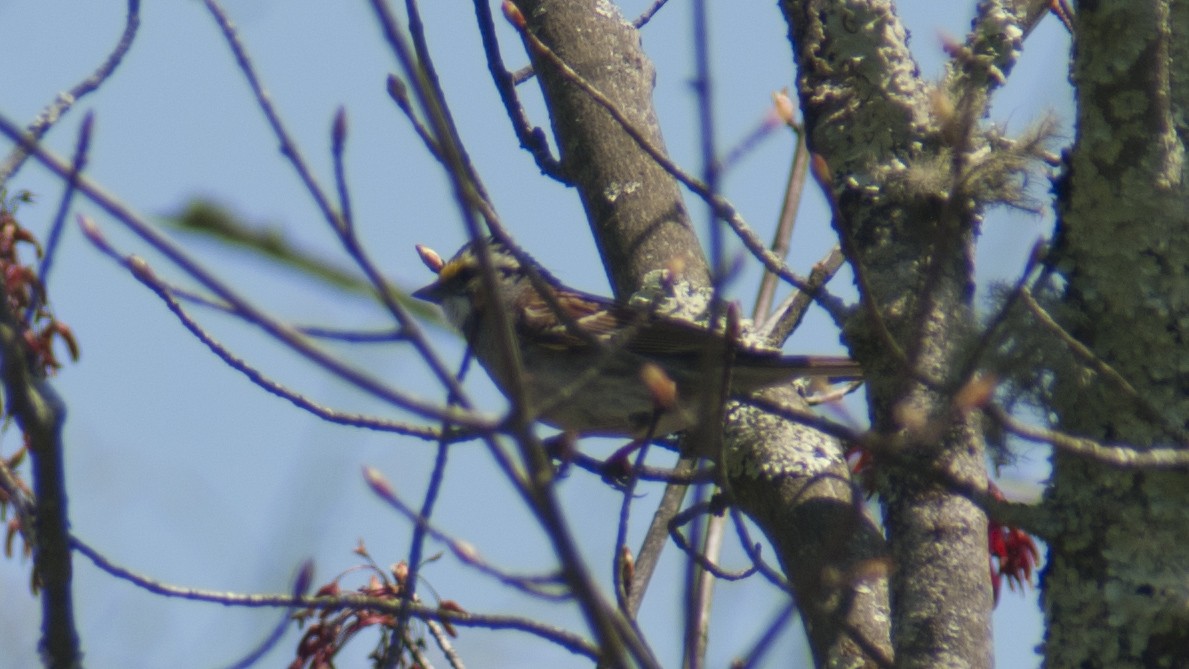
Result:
[793,481]
[1115,583]
[869,118]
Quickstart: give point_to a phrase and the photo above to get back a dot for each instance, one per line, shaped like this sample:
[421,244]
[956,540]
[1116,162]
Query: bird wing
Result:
[612,324]
[597,317]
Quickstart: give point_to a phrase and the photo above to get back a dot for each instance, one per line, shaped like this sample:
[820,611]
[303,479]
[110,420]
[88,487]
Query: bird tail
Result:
[755,369]
[834,367]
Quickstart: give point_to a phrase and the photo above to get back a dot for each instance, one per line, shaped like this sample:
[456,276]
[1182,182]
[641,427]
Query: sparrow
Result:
[606,368]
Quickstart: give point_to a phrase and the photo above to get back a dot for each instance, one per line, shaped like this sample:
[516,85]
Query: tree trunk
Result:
[869,119]
[1115,583]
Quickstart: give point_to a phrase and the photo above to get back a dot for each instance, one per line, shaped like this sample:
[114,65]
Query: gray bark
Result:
[793,482]
[634,207]
[869,118]
[1114,587]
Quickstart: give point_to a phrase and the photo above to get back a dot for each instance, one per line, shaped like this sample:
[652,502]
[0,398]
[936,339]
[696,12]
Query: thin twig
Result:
[386,336]
[55,234]
[562,638]
[1100,366]
[343,226]
[807,418]
[279,331]
[50,115]
[301,585]
[693,608]
[738,151]
[525,73]
[416,654]
[421,528]
[704,588]
[777,329]
[594,465]
[1129,457]
[462,551]
[647,14]
[628,492]
[353,336]
[399,92]
[532,138]
[289,148]
[821,175]
[752,549]
[655,539]
[276,388]
[282,333]
[338,146]
[988,337]
[793,189]
[699,580]
[767,640]
[615,635]
[442,639]
[691,515]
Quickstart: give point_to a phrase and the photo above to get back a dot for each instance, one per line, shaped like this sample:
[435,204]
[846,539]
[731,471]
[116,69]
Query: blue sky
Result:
[182,469]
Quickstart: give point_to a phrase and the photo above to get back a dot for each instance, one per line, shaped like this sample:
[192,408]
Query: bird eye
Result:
[456,271]
[465,273]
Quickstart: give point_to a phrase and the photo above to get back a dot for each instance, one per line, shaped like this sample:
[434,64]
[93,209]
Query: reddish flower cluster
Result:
[26,294]
[13,527]
[334,627]
[1013,552]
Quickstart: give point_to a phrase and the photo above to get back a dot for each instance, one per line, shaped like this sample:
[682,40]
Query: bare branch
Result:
[781,325]
[794,187]
[146,276]
[48,117]
[532,138]
[691,515]
[1124,457]
[463,551]
[1100,366]
[620,553]
[647,14]
[563,638]
[654,540]
[289,147]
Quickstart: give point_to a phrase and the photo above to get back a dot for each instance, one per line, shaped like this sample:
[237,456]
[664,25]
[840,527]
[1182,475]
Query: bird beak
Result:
[430,293]
[433,292]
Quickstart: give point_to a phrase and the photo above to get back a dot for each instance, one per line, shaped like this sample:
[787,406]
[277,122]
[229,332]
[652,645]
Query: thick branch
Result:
[40,414]
[793,481]
[634,207]
[870,120]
